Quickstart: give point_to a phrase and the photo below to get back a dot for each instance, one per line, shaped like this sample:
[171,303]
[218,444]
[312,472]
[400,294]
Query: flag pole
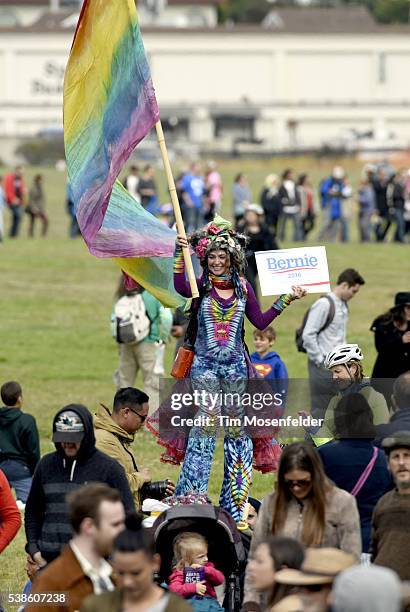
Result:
[177,211]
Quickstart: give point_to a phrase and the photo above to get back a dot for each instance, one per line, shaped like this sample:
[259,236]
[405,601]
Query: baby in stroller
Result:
[194,577]
[222,539]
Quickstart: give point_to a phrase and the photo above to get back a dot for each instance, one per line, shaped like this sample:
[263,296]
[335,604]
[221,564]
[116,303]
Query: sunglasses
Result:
[141,416]
[297,483]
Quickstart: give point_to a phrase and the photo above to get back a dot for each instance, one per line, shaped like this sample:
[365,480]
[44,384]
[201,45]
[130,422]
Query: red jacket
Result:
[213,577]
[9,189]
[10,519]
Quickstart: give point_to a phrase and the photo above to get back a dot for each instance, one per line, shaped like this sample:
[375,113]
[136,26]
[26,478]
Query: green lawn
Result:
[55,305]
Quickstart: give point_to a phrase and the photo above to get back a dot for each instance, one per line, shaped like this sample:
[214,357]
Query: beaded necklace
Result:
[222,317]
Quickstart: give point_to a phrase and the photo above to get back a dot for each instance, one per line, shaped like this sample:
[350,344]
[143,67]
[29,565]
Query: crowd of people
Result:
[382,199]
[19,200]
[331,509]
[331,535]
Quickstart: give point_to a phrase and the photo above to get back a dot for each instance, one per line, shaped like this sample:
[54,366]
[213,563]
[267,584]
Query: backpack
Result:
[329,319]
[131,322]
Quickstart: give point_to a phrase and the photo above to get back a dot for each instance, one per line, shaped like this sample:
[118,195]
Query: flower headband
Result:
[219,235]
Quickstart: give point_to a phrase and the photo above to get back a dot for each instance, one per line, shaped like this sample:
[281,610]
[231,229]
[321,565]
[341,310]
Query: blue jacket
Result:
[333,203]
[272,368]
[399,421]
[344,462]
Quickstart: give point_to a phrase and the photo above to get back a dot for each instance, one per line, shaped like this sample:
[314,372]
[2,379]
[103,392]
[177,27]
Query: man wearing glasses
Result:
[115,431]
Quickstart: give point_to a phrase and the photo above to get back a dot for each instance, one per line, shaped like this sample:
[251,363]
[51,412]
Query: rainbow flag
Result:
[109,107]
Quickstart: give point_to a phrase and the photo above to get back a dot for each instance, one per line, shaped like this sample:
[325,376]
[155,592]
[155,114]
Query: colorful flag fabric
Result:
[109,107]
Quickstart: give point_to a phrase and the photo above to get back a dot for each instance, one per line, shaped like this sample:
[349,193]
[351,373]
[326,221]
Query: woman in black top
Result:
[392,339]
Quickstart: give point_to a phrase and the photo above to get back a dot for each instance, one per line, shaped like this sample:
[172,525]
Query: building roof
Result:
[354,19]
[302,20]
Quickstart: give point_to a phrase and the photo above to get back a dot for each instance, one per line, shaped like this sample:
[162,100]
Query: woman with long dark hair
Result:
[392,340]
[271,556]
[306,506]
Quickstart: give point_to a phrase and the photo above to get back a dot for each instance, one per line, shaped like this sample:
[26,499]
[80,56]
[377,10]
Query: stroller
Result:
[225,546]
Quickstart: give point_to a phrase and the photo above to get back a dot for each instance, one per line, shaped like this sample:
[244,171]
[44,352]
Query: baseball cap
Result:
[68,427]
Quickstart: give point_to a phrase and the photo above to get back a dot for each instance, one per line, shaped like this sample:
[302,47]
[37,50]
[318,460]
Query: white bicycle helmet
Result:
[343,354]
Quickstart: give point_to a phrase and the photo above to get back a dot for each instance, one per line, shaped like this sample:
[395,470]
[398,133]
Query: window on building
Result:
[74,3]
[175,128]
[241,129]
[8,18]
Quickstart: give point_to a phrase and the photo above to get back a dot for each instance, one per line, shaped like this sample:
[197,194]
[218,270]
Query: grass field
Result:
[55,306]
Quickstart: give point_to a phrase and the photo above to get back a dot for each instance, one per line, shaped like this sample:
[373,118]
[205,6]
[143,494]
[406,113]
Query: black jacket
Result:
[46,517]
[271,204]
[19,439]
[262,241]
[380,191]
[393,356]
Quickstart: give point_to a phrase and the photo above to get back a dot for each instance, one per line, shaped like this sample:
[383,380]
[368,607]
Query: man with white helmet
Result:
[344,363]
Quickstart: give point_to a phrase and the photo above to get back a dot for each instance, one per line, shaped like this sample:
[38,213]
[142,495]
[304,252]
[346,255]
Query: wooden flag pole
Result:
[177,211]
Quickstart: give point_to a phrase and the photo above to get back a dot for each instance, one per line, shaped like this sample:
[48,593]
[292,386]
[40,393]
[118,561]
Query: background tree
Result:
[253,11]
[392,11]
[244,11]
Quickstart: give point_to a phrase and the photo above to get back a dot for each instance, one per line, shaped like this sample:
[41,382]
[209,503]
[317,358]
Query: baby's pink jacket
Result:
[213,577]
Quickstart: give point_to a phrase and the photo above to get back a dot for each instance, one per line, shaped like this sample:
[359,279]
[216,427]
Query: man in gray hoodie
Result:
[325,328]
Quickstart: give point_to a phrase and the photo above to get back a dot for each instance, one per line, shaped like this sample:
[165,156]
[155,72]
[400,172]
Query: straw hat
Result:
[321,566]
[292,603]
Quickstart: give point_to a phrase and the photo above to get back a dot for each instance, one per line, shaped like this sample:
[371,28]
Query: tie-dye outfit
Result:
[220,365]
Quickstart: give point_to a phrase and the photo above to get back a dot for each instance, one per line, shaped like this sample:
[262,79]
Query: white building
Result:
[294,82]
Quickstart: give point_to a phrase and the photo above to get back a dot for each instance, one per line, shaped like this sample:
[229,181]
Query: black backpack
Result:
[329,319]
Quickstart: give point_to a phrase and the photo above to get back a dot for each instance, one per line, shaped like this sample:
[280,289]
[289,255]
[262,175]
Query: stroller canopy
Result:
[225,548]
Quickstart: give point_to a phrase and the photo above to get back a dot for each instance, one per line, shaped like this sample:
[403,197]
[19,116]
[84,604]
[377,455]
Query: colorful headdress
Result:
[219,234]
